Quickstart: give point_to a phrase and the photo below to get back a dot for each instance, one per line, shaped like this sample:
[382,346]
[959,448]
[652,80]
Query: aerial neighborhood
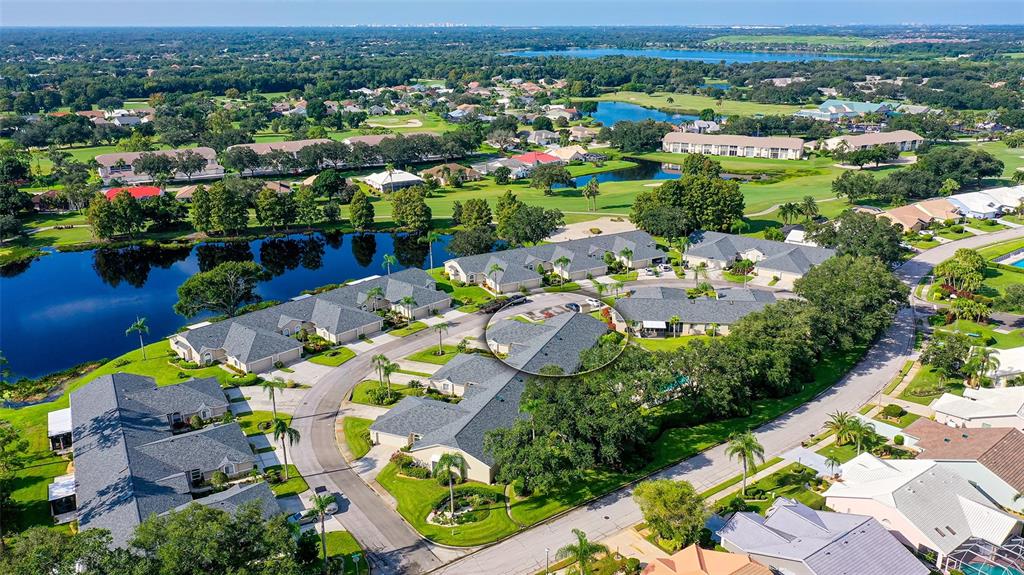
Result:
[519,300]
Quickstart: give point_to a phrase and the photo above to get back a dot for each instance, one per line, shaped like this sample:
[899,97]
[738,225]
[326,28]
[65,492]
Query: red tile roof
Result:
[534,158]
[137,192]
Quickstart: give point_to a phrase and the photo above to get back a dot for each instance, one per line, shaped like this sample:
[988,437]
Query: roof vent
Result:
[946,440]
[964,436]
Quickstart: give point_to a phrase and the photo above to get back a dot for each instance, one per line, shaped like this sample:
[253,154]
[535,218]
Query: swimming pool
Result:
[985,569]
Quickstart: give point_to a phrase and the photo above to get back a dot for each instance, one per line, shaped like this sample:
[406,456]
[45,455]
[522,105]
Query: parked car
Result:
[301,518]
[517,299]
[595,303]
[573,306]
[321,491]
[665,268]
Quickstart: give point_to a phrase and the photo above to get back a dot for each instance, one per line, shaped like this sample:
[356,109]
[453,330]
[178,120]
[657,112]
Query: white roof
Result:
[982,402]
[1011,361]
[654,325]
[942,505]
[58,422]
[1008,197]
[61,487]
[381,179]
[977,201]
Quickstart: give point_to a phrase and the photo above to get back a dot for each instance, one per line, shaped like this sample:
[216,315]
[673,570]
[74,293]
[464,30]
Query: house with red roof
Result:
[137,192]
[537,159]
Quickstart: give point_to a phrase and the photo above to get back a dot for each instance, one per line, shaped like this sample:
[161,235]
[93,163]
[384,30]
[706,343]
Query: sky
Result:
[504,12]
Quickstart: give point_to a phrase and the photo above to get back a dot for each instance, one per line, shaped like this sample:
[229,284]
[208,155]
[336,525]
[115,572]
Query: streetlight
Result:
[547,560]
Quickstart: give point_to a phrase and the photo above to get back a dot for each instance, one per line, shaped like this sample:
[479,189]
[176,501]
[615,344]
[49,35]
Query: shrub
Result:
[189,365]
[121,362]
[195,422]
[228,417]
[595,231]
[893,411]
[401,460]
[278,364]
[898,440]
[443,476]
[957,229]
[416,472]
[219,479]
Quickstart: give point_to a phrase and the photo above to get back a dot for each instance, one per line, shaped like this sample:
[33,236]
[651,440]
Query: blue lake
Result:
[711,56]
[67,308]
[608,113]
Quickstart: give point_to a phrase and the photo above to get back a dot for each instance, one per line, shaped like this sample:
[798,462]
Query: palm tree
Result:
[375,293]
[1018,176]
[833,463]
[284,431]
[430,238]
[600,287]
[379,362]
[140,328]
[789,211]
[408,302]
[674,322]
[700,271]
[389,260]
[861,431]
[271,386]
[387,370]
[745,447]
[626,254]
[839,423]
[390,169]
[318,506]
[591,191]
[583,551]
[441,329]
[619,286]
[445,464]
[491,272]
[561,263]
[983,360]
[809,207]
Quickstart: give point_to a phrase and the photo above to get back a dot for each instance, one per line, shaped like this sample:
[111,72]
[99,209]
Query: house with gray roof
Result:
[256,341]
[428,428]
[772,259]
[135,458]
[554,344]
[666,311]
[512,270]
[794,539]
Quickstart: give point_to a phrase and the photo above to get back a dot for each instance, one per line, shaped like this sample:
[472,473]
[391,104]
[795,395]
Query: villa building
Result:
[523,268]
[442,174]
[982,407]
[832,110]
[794,539]
[772,259]
[903,140]
[695,560]
[256,341]
[666,311]
[556,343]
[118,166]
[393,180]
[292,148]
[136,455]
[776,148]
[929,507]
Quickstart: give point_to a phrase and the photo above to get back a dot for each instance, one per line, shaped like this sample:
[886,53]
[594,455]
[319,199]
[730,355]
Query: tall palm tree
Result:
[271,386]
[583,551]
[984,360]
[833,463]
[626,254]
[389,260]
[600,287]
[839,423]
[745,447]
[809,207]
[861,431]
[389,368]
[789,211]
[445,464]
[430,239]
[379,362]
[441,329]
[700,271]
[375,294]
[591,191]
[140,328]
[408,302]
[493,271]
[674,322]
[318,506]
[561,262]
[619,286]
[283,431]
[390,169]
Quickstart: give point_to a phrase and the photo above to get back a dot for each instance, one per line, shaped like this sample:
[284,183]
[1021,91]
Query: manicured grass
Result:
[295,484]
[667,343]
[343,544]
[951,235]
[737,479]
[995,251]
[417,497]
[788,482]
[357,435]
[680,443]
[29,492]
[567,286]
[902,422]
[626,277]
[251,422]
[467,295]
[985,225]
[691,103]
[361,392]
[333,357]
[927,378]
[410,329]
[843,453]
[737,278]
[986,334]
[429,355]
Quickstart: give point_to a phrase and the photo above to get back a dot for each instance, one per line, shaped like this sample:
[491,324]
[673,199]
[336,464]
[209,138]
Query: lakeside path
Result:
[523,553]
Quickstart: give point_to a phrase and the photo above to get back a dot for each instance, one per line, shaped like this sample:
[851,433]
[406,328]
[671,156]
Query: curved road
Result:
[394,547]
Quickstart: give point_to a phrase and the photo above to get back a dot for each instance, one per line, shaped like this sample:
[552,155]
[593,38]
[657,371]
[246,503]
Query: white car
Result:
[665,268]
[595,303]
[301,518]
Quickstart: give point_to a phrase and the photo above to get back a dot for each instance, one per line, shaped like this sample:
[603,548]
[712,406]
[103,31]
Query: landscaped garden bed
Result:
[333,357]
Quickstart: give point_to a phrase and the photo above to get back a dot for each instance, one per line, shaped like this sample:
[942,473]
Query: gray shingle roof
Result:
[778,256]
[556,342]
[238,495]
[661,304]
[127,466]
[256,335]
[827,543]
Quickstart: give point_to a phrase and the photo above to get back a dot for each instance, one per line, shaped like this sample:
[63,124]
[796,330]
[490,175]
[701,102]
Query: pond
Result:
[644,170]
[710,56]
[608,113]
[67,308]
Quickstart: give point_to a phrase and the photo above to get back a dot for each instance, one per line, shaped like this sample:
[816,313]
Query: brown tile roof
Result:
[108,160]
[279,187]
[1000,449]
[292,147]
[881,138]
[696,561]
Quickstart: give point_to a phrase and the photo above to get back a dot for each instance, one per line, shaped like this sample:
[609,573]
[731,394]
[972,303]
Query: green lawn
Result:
[986,334]
[360,393]
[994,251]
[952,235]
[343,544]
[843,453]
[568,286]
[410,329]
[417,497]
[788,482]
[333,357]
[738,478]
[626,277]
[691,103]
[902,422]
[927,379]
[467,295]
[251,422]
[357,435]
[429,355]
[667,343]
[736,278]
[295,484]
[985,225]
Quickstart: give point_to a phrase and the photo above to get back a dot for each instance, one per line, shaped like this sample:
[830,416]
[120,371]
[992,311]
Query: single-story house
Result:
[787,262]
[982,407]
[667,311]
[779,148]
[903,140]
[185,193]
[135,457]
[557,342]
[794,539]
[700,127]
[119,166]
[442,172]
[910,217]
[832,110]
[393,180]
[992,459]
[537,159]
[256,341]
[277,187]
[977,205]
[1007,198]
[137,192]
[695,560]
[570,153]
[512,270]
[543,137]
[928,507]
[940,209]
[583,133]
[517,170]
[1011,365]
